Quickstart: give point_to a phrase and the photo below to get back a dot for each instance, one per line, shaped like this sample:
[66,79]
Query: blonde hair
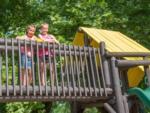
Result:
[44,25]
[30,26]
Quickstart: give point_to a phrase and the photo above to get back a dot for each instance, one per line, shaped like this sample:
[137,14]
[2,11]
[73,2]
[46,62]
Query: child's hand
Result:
[29,54]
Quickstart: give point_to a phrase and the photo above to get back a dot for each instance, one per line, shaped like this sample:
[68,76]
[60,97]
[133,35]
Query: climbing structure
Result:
[90,74]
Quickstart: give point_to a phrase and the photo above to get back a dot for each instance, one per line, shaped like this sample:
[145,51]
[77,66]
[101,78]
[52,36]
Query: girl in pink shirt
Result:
[47,38]
[26,62]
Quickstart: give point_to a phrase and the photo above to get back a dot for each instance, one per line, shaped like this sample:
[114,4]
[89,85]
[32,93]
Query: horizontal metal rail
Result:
[33,69]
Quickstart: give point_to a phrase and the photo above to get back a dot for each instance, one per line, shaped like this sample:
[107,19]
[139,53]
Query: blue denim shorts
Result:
[26,61]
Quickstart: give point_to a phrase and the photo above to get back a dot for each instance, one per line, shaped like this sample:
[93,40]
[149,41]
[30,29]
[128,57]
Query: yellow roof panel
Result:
[115,41]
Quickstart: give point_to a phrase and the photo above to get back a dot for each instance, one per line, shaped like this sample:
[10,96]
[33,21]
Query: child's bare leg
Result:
[53,75]
[42,73]
[30,76]
[23,77]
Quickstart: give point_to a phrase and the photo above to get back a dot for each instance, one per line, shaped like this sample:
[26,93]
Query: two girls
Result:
[26,53]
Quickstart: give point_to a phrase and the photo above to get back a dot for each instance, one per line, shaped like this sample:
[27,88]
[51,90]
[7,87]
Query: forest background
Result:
[131,17]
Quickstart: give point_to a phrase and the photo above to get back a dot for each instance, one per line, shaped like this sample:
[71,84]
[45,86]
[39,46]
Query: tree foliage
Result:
[131,17]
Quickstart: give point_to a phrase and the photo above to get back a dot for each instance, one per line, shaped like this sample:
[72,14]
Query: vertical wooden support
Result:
[105,64]
[147,72]
[116,82]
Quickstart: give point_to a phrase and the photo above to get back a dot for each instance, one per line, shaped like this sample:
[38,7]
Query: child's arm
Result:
[55,40]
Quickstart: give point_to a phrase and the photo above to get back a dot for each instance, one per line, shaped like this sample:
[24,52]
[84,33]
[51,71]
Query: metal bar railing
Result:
[72,71]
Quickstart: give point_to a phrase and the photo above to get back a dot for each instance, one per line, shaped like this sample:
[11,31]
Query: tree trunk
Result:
[76,107]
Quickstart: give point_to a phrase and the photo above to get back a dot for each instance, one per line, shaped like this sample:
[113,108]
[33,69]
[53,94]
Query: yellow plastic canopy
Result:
[115,42]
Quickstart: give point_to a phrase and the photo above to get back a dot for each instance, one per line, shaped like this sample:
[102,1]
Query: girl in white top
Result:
[47,38]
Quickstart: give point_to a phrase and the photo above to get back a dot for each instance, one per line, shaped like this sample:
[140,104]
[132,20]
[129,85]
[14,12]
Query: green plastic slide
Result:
[143,95]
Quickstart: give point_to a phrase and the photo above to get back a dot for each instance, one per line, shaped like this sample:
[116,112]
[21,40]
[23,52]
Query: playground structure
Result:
[85,76]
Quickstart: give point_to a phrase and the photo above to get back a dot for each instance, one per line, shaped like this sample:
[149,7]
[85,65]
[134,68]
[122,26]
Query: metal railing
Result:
[66,72]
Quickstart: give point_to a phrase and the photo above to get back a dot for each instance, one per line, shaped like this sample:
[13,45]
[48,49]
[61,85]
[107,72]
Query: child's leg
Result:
[23,71]
[23,77]
[30,76]
[42,67]
[29,70]
[53,74]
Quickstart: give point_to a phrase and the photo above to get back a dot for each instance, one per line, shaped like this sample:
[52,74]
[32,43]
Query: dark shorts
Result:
[46,59]
[26,61]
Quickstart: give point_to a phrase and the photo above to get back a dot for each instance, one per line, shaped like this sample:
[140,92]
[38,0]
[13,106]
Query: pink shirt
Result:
[25,37]
[46,38]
